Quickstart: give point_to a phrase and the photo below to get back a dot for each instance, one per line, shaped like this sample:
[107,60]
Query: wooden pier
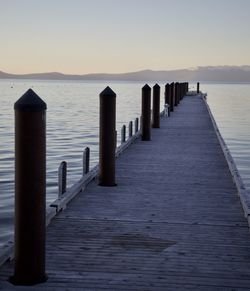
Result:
[173,222]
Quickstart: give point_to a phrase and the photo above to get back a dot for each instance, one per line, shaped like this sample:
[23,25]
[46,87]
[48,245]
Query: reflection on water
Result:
[73,124]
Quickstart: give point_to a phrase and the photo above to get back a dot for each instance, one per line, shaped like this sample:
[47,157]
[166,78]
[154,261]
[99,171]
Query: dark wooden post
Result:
[182,90]
[176,90]
[185,89]
[179,92]
[130,129]
[146,113]
[30,190]
[156,106]
[198,88]
[123,134]
[168,96]
[107,138]
[172,96]
[85,161]
[62,178]
[136,124]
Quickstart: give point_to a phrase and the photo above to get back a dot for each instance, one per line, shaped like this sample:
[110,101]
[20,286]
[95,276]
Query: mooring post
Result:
[168,97]
[130,129]
[172,96]
[198,88]
[176,90]
[123,134]
[146,113]
[85,161]
[30,190]
[62,178]
[136,124]
[186,88]
[156,106]
[107,138]
[178,93]
[181,91]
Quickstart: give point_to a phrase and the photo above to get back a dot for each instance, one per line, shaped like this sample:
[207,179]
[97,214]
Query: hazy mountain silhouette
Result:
[205,74]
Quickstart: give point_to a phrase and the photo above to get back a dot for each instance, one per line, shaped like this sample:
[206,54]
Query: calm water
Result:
[72,124]
[230,104]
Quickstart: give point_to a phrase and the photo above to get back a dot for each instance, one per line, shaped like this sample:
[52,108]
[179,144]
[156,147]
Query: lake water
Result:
[73,124]
[230,105]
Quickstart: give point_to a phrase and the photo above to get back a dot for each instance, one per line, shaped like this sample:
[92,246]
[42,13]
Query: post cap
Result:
[108,92]
[30,101]
[156,86]
[146,87]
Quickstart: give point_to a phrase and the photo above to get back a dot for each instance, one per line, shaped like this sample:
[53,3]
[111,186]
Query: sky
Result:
[116,36]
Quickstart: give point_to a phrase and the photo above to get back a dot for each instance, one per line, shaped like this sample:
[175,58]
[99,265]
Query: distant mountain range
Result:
[202,74]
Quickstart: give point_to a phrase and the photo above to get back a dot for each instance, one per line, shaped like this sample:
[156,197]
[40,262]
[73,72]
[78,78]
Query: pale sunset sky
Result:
[116,36]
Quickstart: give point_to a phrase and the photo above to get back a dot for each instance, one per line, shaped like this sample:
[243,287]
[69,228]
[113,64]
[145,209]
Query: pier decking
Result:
[174,221]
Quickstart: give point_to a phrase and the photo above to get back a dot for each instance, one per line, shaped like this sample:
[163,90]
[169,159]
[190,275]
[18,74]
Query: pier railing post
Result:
[136,124]
[30,190]
[172,96]
[176,90]
[123,134]
[198,88]
[146,113]
[185,88]
[168,97]
[107,138]
[182,90]
[130,129]
[85,161]
[156,106]
[62,178]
